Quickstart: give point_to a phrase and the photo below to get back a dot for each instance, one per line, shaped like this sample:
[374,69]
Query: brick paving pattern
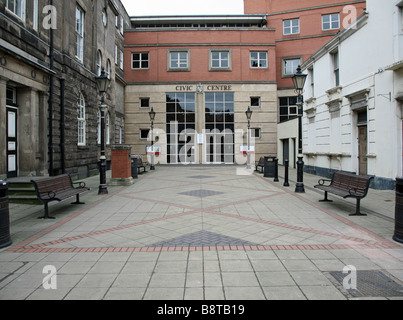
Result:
[176,234]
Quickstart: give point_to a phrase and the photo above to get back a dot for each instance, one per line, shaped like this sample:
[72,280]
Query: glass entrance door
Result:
[181,126]
[219,116]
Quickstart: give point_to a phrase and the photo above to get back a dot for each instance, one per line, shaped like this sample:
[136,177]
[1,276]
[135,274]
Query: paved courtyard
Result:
[204,233]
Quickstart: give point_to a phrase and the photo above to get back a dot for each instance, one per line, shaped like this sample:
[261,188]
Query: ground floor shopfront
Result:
[202,123]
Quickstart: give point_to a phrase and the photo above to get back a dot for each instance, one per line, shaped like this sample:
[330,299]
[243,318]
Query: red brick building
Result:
[302,27]
[202,72]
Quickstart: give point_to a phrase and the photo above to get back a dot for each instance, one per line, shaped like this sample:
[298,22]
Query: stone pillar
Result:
[121,166]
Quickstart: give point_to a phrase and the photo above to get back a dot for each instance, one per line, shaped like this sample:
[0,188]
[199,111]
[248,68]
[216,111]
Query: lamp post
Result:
[299,82]
[248,116]
[152,117]
[102,84]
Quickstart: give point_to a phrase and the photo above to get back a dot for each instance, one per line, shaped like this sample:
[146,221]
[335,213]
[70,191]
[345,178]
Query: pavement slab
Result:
[202,233]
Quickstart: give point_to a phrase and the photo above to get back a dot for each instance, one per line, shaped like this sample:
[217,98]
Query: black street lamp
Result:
[102,85]
[152,117]
[248,116]
[299,82]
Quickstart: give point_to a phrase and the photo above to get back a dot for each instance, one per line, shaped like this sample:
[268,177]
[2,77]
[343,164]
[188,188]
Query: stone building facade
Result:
[353,103]
[49,54]
[200,75]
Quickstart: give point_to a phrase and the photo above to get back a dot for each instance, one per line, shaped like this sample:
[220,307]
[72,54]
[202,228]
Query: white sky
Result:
[182,7]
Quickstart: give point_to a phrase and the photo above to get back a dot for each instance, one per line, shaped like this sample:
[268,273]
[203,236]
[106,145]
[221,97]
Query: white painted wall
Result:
[331,133]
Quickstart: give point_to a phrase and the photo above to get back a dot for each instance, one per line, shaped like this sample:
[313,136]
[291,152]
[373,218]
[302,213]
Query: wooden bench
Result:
[260,164]
[346,185]
[57,188]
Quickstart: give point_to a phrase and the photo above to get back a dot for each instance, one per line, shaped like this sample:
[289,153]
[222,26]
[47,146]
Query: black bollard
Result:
[286,184]
[275,170]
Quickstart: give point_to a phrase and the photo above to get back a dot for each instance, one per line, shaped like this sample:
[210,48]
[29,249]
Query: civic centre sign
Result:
[200,88]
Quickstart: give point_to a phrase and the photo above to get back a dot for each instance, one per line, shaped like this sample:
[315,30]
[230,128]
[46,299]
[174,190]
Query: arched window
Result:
[108,69]
[81,121]
[107,128]
[99,127]
[99,62]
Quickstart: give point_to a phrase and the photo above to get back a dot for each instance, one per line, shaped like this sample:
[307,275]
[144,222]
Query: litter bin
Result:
[5,239]
[134,167]
[398,235]
[270,167]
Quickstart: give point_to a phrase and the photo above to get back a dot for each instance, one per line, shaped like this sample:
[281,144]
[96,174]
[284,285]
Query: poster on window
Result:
[157,150]
[244,149]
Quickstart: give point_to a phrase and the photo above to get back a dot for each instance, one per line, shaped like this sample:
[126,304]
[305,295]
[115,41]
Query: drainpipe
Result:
[62,127]
[50,107]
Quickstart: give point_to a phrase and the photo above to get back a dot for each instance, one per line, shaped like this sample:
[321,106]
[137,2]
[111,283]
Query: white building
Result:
[353,98]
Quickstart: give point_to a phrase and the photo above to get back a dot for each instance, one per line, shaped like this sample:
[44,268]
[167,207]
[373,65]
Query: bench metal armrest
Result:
[81,184]
[321,182]
[50,194]
[353,191]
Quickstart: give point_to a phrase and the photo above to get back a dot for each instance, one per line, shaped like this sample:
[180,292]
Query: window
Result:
[99,127]
[120,137]
[140,60]
[288,108]
[121,25]
[108,128]
[220,127]
[180,126]
[258,59]
[255,101]
[99,63]
[104,18]
[290,66]
[362,117]
[312,78]
[11,96]
[336,70]
[108,69]
[220,60]
[116,54]
[179,60]
[255,133]
[401,16]
[17,7]
[144,102]
[35,18]
[121,60]
[331,21]
[291,26]
[144,134]
[80,33]
[81,121]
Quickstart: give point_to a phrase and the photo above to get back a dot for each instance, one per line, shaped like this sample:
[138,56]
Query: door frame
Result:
[12,140]
[362,157]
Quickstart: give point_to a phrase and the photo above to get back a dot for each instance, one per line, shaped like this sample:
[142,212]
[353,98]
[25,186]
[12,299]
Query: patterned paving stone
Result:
[201,193]
[200,177]
[202,238]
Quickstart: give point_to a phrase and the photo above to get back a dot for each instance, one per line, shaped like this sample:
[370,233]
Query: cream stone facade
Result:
[201,146]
